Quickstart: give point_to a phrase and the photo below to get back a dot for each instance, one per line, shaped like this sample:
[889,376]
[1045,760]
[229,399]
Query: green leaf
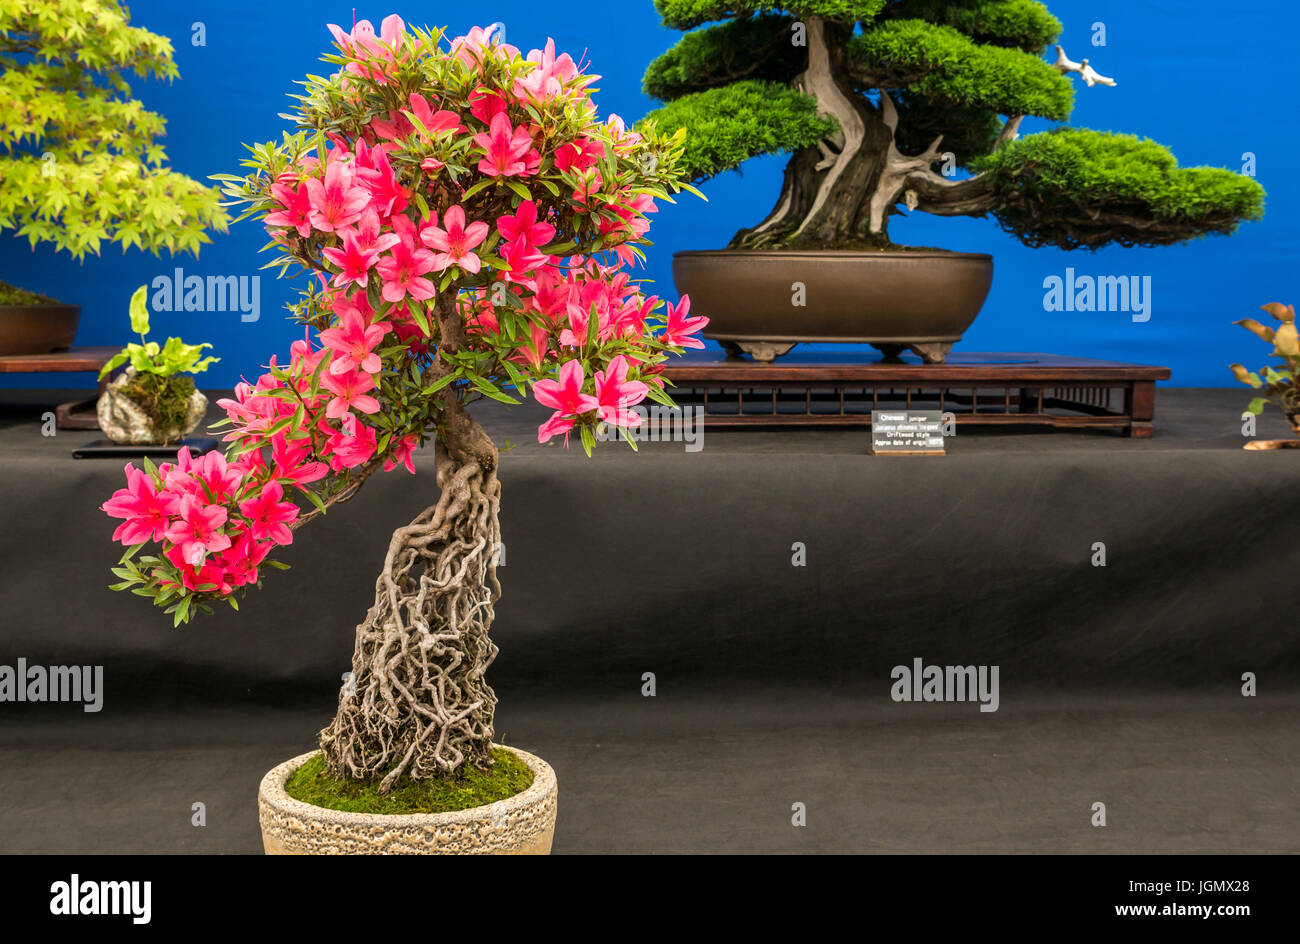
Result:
[114,362]
[140,311]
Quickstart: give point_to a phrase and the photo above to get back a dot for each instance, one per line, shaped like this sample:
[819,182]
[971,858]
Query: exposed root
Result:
[418,702]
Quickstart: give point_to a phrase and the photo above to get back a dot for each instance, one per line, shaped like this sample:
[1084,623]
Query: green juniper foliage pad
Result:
[891,105]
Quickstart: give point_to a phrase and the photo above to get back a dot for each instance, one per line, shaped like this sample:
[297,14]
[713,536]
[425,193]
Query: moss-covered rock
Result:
[145,408]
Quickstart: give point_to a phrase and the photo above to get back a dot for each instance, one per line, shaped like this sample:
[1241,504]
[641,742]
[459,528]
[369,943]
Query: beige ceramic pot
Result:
[523,824]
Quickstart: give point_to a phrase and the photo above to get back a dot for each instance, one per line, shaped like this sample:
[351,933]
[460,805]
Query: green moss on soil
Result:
[12,295]
[166,399]
[312,783]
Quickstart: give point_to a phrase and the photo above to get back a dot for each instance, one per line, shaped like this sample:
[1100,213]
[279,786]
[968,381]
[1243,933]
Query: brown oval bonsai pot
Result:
[923,299]
[523,824]
[37,329]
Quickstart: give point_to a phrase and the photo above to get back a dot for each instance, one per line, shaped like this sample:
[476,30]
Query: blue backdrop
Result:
[1213,83]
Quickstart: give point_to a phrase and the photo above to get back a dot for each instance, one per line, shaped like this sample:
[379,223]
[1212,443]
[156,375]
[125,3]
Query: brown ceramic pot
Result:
[923,300]
[37,329]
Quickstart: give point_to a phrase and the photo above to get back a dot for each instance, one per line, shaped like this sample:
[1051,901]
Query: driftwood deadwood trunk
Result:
[418,702]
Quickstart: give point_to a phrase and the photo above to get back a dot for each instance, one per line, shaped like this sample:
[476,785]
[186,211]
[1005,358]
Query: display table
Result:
[1119,683]
[840,389]
[75,414]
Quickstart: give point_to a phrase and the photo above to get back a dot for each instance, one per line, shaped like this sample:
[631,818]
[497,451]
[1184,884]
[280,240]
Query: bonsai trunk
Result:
[841,193]
[418,702]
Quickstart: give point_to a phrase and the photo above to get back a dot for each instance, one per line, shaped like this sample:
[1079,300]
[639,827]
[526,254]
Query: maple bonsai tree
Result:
[466,219]
[80,164]
[876,98]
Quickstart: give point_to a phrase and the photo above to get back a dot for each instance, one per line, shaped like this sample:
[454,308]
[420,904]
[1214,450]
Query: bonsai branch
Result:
[1064,64]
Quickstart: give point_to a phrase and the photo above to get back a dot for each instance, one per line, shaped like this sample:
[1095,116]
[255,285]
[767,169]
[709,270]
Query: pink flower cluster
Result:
[432,198]
[217,523]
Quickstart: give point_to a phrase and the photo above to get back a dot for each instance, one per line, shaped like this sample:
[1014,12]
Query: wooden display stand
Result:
[78,414]
[979,389]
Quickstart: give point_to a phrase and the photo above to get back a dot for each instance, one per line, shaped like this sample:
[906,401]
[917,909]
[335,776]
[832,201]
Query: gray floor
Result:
[1178,773]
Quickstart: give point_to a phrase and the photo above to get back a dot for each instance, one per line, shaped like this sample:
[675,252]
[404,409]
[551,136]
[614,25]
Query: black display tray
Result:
[107,449]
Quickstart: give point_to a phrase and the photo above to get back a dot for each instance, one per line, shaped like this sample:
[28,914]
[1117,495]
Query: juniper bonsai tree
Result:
[875,99]
[80,163]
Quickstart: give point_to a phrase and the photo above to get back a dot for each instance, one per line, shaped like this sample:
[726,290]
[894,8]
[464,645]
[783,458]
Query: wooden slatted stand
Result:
[79,414]
[978,389]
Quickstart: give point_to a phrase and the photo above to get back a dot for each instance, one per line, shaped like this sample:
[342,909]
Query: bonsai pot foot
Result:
[935,352]
[762,351]
[523,824]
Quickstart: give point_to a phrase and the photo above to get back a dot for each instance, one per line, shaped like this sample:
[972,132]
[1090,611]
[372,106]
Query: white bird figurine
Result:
[1064,64]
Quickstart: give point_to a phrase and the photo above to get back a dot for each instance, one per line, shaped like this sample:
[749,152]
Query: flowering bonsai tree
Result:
[80,163]
[466,219]
[877,98]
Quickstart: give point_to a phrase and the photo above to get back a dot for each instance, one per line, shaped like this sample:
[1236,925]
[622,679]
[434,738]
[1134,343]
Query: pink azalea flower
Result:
[198,531]
[554,426]
[243,559]
[350,390]
[455,242]
[335,202]
[522,257]
[402,453]
[352,446]
[288,458]
[524,225]
[476,46]
[207,576]
[434,122]
[268,515]
[680,329]
[353,343]
[565,397]
[485,104]
[533,351]
[386,195]
[615,393]
[139,503]
[297,208]
[403,270]
[505,149]
[579,155]
[362,43]
[354,259]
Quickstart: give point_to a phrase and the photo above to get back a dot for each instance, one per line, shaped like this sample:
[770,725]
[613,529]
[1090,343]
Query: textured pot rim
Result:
[272,793]
[834,254]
